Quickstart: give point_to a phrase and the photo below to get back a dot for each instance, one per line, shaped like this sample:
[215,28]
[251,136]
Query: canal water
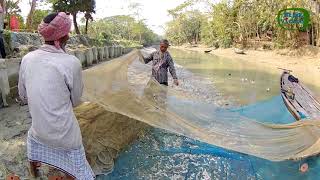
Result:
[162,155]
[243,81]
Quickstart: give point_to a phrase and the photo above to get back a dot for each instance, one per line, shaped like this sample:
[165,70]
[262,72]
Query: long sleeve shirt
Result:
[51,82]
[161,62]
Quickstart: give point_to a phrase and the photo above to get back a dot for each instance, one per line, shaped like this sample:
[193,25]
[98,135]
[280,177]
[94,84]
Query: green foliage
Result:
[232,22]
[222,24]
[179,9]
[123,30]
[73,7]
[186,25]
[7,41]
[174,33]
[38,17]
[12,7]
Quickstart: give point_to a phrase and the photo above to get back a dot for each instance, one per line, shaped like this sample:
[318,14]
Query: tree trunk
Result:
[317,36]
[196,38]
[30,15]
[86,29]
[258,32]
[313,35]
[75,24]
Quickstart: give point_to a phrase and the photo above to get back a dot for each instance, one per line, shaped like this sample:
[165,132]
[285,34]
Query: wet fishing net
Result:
[105,134]
[160,154]
[122,99]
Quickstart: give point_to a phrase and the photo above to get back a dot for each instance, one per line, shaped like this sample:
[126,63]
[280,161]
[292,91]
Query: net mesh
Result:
[123,99]
[163,155]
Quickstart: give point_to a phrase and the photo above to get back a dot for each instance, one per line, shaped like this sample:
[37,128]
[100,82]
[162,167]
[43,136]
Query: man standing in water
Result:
[50,81]
[161,61]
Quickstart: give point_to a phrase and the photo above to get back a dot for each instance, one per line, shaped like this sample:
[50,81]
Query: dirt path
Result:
[14,124]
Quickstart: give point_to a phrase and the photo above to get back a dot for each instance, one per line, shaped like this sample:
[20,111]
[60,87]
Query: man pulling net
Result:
[50,81]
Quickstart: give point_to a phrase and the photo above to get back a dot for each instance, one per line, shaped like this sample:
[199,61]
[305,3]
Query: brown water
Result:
[242,81]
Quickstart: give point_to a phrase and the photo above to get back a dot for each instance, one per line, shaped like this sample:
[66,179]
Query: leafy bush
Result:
[7,41]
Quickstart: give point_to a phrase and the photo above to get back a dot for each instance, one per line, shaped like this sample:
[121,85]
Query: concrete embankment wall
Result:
[19,43]
[94,55]
[87,56]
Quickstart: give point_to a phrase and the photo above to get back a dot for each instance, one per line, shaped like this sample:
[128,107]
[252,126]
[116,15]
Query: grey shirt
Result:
[51,81]
[161,62]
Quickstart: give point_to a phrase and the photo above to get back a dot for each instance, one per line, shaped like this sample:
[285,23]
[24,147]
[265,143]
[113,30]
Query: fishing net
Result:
[160,154]
[122,91]
[105,134]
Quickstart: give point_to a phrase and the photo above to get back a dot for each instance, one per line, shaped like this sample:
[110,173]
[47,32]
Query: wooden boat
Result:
[299,100]
[239,51]
[207,51]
